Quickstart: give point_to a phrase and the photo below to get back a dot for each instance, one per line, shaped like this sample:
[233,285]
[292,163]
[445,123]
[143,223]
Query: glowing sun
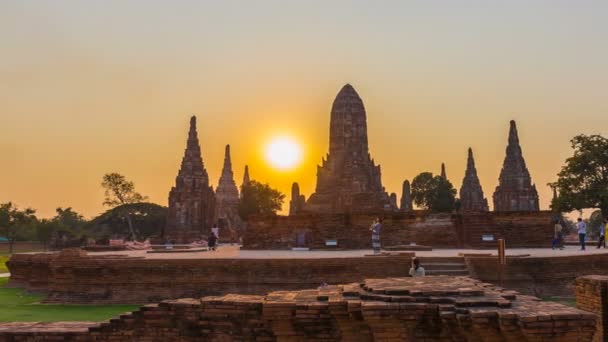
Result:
[283,153]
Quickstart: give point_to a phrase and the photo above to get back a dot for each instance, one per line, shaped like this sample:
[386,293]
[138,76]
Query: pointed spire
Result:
[226,189]
[443,175]
[515,191]
[246,179]
[192,202]
[192,162]
[227,159]
[406,197]
[471,193]
[513,136]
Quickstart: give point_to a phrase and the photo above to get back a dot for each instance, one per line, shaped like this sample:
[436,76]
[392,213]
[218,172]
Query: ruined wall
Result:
[73,278]
[542,277]
[592,295]
[398,309]
[436,230]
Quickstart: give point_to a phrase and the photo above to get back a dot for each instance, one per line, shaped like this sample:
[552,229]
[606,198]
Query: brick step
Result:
[445,266]
[435,260]
[446,272]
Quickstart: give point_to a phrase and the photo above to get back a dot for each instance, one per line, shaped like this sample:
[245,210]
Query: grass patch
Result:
[3,260]
[568,301]
[16,305]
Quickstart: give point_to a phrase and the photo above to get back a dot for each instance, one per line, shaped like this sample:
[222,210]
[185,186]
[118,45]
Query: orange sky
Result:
[88,88]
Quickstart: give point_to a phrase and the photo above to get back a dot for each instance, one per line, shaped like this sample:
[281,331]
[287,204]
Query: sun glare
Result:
[283,153]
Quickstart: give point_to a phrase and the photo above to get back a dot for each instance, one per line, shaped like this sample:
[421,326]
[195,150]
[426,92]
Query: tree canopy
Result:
[433,192]
[118,192]
[148,220]
[15,223]
[259,199]
[583,180]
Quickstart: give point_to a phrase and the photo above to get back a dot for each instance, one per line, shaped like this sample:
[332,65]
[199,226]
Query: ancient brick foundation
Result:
[80,278]
[449,231]
[592,295]
[542,277]
[69,278]
[397,309]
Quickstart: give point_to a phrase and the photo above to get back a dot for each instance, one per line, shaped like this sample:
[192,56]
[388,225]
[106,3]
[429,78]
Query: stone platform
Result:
[392,309]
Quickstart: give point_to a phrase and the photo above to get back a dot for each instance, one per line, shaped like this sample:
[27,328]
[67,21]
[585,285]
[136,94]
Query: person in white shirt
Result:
[582,232]
[416,270]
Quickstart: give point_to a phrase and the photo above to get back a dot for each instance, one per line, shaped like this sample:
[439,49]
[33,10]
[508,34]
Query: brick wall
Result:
[543,277]
[592,295]
[437,230]
[108,279]
[22,246]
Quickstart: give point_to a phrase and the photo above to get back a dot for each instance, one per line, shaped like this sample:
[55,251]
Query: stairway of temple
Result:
[451,266]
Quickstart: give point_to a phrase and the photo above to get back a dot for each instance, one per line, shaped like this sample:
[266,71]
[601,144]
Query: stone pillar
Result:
[592,295]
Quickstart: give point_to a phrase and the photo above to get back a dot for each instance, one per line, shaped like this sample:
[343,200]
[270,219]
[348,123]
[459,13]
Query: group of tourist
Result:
[415,269]
[581,227]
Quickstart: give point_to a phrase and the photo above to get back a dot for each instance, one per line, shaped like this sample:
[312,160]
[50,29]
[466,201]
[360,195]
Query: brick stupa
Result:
[471,194]
[348,180]
[298,201]
[406,197]
[515,191]
[227,199]
[191,200]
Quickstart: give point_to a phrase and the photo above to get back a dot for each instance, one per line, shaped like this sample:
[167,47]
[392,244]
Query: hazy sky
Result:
[89,87]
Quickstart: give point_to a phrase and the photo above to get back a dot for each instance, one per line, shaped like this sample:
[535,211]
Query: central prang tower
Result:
[348,180]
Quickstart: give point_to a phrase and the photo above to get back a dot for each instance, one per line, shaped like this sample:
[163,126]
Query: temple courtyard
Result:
[235,252]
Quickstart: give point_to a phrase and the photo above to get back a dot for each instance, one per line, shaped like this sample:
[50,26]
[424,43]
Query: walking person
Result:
[416,270]
[557,236]
[602,239]
[375,229]
[582,232]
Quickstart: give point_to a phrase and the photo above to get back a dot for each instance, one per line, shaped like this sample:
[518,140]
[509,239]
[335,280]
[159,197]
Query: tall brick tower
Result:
[471,194]
[191,200]
[348,180]
[227,199]
[515,191]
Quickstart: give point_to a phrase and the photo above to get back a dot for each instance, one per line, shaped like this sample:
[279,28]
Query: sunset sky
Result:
[90,87]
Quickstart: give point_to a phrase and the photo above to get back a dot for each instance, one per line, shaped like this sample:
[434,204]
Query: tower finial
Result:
[443,174]
[513,135]
[246,179]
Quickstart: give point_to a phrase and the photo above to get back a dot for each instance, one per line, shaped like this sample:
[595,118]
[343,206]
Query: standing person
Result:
[212,241]
[216,231]
[582,232]
[557,235]
[602,239]
[375,228]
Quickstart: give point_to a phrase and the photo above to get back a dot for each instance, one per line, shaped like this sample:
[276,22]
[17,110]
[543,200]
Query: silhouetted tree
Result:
[433,192]
[119,191]
[259,199]
[147,219]
[583,180]
[66,226]
[15,223]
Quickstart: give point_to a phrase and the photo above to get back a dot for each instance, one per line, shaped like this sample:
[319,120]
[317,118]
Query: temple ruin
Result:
[471,194]
[227,199]
[192,200]
[348,180]
[515,191]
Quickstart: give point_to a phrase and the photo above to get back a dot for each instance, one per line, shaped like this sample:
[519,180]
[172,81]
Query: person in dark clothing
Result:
[212,242]
[602,238]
